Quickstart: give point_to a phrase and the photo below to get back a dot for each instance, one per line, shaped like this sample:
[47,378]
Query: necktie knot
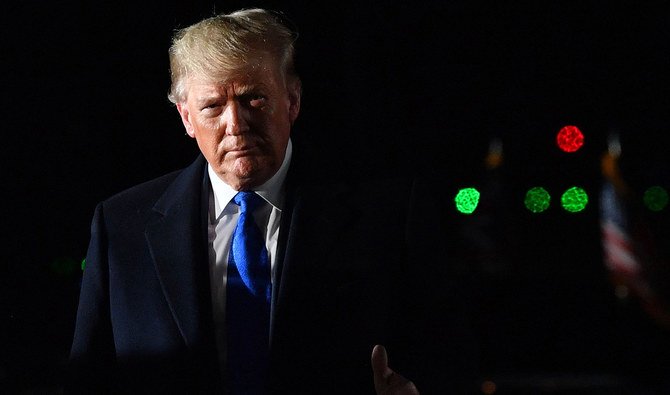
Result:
[248,201]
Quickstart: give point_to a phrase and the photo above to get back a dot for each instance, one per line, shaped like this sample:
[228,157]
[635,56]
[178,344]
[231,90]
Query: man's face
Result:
[242,124]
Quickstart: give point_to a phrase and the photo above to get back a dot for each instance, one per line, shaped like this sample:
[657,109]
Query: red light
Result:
[570,139]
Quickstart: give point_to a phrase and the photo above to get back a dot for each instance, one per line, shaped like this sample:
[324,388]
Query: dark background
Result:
[418,88]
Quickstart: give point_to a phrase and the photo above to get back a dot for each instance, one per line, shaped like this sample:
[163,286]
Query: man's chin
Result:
[247,177]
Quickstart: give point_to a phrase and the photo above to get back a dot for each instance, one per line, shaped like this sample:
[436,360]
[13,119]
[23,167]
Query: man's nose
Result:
[235,118]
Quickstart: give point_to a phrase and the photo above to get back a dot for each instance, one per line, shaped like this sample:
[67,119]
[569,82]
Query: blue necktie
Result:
[248,292]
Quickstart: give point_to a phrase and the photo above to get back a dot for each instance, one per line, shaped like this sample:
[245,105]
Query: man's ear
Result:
[186,119]
[294,92]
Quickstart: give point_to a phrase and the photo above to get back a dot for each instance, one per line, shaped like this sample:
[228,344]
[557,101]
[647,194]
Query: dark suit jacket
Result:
[355,269]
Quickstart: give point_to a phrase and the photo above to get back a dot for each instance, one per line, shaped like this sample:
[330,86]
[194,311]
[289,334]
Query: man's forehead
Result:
[250,78]
[202,89]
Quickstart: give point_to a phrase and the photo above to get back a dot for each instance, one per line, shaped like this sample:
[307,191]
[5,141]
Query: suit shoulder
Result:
[148,190]
[139,199]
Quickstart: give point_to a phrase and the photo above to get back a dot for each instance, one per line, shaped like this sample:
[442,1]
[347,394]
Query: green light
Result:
[467,200]
[655,198]
[83,264]
[574,200]
[537,199]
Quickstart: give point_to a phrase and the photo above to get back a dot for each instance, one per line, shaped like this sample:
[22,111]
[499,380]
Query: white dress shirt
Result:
[223,215]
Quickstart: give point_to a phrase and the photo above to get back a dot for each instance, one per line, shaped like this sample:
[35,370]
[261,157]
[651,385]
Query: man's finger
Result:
[380,367]
[386,380]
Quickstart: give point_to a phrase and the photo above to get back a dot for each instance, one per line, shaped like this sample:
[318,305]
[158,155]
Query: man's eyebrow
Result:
[246,89]
[242,90]
[208,97]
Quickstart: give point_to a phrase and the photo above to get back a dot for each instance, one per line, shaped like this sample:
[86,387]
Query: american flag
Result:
[625,253]
[618,249]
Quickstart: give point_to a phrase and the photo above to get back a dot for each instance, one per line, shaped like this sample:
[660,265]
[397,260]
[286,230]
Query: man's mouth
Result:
[242,150]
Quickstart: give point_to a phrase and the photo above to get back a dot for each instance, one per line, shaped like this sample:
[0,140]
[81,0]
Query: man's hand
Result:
[388,382]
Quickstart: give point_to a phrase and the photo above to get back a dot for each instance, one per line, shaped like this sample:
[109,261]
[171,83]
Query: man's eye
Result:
[256,101]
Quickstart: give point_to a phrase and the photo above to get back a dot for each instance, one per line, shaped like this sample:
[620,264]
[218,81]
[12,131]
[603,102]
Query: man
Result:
[170,302]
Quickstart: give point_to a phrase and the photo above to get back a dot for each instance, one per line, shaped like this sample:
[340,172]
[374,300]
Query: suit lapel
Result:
[177,241]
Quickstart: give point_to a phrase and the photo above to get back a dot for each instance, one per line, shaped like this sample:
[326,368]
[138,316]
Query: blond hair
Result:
[227,43]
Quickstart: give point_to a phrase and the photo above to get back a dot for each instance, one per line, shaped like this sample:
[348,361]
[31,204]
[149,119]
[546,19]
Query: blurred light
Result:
[574,200]
[494,158]
[614,145]
[489,387]
[83,264]
[467,200]
[537,199]
[655,198]
[570,139]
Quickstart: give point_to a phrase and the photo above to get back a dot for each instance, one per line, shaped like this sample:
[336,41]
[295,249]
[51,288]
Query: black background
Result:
[418,88]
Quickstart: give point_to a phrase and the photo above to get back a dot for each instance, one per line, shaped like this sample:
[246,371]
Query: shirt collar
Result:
[271,190]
